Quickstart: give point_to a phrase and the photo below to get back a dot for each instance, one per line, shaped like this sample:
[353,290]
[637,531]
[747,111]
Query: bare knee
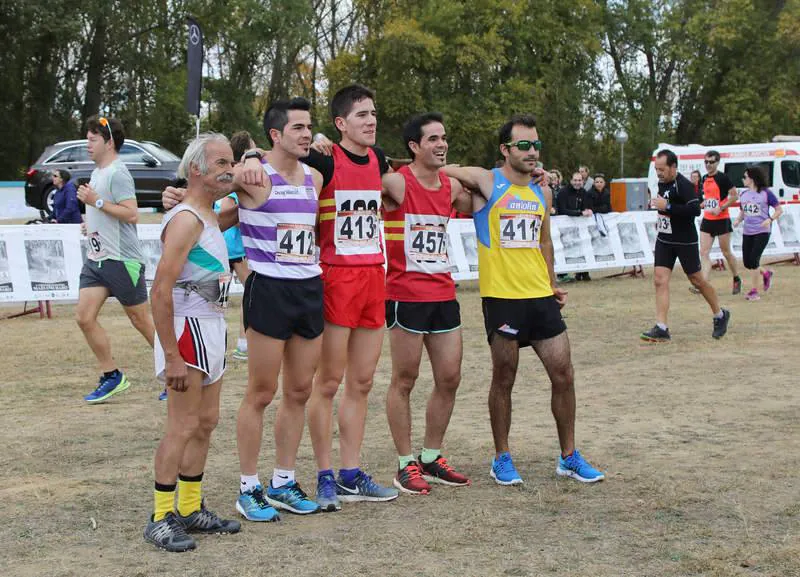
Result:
[404,379]
[503,375]
[562,378]
[297,394]
[328,385]
[84,319]
[139,319]
[207,423]
[259,397]
[660,281]
[449,382]
[358,387]
[183,427]
[697,280]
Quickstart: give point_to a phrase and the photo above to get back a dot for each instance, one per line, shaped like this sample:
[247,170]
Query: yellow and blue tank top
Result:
[510,261]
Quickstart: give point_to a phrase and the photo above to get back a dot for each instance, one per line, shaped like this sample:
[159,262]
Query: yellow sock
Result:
[164,501]
[189,494]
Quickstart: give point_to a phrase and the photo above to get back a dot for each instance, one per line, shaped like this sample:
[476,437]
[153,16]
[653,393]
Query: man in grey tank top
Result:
[114,265]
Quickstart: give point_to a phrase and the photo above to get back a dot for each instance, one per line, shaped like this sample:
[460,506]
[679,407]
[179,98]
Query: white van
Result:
[780,161]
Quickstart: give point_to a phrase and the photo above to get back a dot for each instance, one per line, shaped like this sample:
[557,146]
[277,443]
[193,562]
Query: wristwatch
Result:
[252,154]
[98,204]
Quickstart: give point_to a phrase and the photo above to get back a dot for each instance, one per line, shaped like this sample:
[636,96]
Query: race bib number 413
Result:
[357,225]
[520,230]
[295,243]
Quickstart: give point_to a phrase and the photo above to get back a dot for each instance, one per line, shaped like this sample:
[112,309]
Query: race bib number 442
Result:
[520,230]
[295,243]
[357,225]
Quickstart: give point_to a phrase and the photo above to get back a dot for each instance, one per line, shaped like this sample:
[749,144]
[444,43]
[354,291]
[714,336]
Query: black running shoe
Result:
[721,324]
[656,335]
[168,534]
[206,521]
[737,285]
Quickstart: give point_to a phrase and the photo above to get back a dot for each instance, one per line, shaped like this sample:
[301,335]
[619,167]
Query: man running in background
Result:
[718,194]
[678,205]
[421,305]
[189,294]
[115,264]
[521,302]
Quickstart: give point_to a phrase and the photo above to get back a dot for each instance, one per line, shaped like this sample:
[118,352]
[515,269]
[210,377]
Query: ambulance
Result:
[779,159]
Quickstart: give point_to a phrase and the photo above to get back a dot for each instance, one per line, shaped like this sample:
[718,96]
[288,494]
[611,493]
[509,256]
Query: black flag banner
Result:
[194,57]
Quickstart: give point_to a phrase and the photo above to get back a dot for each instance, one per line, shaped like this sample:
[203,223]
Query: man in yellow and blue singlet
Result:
[521,302]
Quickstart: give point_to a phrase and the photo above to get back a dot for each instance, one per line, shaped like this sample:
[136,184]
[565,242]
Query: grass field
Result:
[699,439]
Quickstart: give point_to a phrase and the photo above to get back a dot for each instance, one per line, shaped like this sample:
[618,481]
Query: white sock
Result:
[248,483]
[281,477]
[241,344]
[662,326]
[720,314]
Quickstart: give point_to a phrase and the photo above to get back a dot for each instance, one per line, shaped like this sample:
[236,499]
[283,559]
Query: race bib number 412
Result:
[520,230]
[295,243]
[357,225]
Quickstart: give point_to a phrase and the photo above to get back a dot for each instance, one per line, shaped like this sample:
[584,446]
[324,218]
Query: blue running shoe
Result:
[575,466]
[327,499]
[108,387]
[503,471]
[291,498]
[162,396]
[364,489]
[254,507]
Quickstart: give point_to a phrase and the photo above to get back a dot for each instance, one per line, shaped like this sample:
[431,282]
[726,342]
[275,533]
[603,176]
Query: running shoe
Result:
[327,499]
[162,396]
[409,480]
[291,498]
[206,521]
[169,534]
[694,290]
[576,467]
[656,335]
[737,285]
[752,295]
[253,506]
[239,354]
[503,471]
[721,324]
[364,489]
[107,387]
[767,276]
[439,471]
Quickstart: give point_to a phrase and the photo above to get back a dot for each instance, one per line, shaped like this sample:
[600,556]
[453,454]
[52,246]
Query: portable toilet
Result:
[629,194]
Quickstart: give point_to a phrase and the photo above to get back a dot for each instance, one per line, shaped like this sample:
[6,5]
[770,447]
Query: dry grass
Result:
[699,439]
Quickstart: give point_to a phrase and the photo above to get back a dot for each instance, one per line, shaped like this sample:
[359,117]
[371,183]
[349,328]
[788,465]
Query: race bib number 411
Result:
[357,225]
[295,243]
[520,230]
[426,243]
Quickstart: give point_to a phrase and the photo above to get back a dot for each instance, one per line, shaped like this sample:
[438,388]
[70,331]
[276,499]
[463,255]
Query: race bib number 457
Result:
[295,243]
[357,225]
[426,243]
[520,230]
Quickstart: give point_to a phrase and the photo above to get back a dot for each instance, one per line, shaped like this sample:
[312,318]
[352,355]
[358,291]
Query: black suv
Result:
[153,168]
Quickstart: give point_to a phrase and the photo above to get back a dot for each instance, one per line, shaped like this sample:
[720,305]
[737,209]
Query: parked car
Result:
[152,167]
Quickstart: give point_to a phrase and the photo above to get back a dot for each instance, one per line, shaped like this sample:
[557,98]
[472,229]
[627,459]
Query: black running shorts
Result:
[716,227]
[424,318]
[523,320]
[688,254]
[280,308]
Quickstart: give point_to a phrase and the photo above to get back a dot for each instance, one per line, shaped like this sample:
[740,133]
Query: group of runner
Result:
[317,299]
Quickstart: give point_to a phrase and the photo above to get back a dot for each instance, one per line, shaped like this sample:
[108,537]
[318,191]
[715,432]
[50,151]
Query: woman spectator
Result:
[599,196]
[695,177]
[754,211]
[555,186]
[65,200]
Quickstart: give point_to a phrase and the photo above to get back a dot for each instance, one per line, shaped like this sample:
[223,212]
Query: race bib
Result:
[711,203]
[295,243]
[224,280]
[96,249]
[520,230]
[356,224]
[426,243]
[663,224]
[751,209]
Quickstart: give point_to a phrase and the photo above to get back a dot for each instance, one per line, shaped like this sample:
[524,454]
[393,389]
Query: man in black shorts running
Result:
[678,205]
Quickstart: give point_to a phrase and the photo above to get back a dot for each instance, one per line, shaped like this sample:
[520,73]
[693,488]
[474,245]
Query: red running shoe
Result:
[440,472]
[409,480]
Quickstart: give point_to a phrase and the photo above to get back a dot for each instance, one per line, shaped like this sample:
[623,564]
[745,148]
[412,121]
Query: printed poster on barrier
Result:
[600,231]
[6,285]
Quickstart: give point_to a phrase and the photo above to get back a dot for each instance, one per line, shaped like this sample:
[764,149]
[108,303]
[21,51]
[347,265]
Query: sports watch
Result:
[98,204]
[252,154]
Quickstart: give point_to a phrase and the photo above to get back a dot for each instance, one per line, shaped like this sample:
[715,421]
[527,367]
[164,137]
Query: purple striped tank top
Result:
[279,236]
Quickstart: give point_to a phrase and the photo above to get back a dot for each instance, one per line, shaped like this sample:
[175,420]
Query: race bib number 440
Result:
[357,225]
[426,243]
[520,230]
[295,243]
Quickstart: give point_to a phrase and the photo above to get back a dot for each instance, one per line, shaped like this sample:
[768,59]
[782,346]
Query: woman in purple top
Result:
[754,211]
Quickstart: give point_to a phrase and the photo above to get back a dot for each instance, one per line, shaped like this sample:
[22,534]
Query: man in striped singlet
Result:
[282,308]
[189,295]
[421,305]
[521,302]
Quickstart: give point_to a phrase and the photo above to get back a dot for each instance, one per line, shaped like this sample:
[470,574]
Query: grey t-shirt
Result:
[109,237]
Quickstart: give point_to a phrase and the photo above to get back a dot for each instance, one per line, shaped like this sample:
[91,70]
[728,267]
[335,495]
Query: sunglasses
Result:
[525,145]
[104,122]
[707,162]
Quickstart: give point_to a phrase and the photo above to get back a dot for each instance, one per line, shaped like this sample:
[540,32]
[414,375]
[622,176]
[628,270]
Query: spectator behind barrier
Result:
[599,197]
[66,209]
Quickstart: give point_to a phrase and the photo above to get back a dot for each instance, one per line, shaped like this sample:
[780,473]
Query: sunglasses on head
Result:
[103,121]
[525,145]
